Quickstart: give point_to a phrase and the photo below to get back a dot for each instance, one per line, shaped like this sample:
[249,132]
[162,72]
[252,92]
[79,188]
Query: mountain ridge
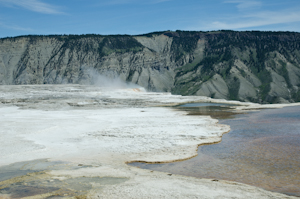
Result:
[255,66]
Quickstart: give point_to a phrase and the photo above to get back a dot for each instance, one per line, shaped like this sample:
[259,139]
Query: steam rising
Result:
[109,80]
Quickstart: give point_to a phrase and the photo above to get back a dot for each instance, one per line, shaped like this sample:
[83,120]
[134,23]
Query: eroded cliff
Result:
[247,66]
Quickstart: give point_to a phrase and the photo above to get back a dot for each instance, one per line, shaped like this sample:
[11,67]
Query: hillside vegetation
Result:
[252,66]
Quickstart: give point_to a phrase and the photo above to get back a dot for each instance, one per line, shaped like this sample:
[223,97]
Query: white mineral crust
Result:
[91,125]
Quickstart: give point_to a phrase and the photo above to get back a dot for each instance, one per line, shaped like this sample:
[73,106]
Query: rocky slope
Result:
[248,66]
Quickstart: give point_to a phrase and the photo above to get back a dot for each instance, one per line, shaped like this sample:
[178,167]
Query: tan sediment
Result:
[41,196]
[24,178]
[57,193]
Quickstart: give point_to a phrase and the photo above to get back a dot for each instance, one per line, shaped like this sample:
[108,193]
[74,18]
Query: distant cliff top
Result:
[253,66]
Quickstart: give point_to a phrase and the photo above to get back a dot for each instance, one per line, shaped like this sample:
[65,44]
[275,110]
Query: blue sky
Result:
[23,17]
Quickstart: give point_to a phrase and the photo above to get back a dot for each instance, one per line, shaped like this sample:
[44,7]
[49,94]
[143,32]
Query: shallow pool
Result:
[262,149]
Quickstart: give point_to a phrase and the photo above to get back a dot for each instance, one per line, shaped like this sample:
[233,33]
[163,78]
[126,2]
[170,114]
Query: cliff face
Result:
[247,66]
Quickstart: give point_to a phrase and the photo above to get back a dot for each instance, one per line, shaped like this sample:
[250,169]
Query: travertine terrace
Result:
[75,141]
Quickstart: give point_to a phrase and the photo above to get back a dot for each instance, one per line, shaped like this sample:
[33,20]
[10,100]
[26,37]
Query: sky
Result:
[133,17]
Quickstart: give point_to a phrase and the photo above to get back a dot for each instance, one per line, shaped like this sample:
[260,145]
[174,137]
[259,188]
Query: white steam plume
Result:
[108,79]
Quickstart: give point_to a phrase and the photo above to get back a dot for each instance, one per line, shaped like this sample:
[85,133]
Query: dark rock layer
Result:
[248,66]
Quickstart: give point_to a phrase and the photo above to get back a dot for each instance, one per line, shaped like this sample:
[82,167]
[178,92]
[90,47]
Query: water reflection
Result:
[215,110]
[262,149]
